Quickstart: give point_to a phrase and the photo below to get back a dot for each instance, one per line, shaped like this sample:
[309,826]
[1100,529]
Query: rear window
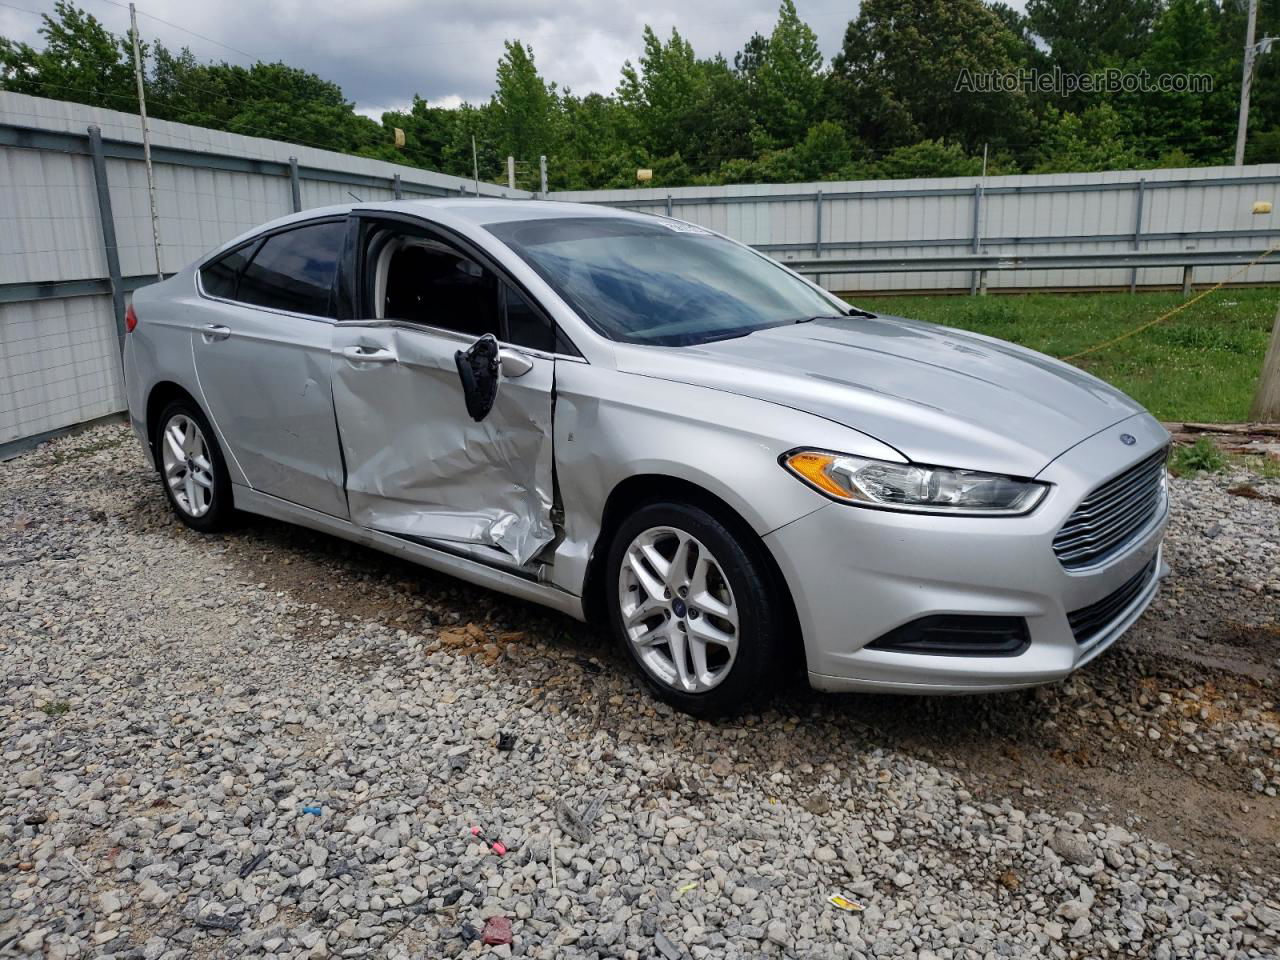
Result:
[295,270]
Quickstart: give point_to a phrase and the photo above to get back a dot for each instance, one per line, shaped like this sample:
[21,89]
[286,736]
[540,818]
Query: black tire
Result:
[221,511]
[746,571]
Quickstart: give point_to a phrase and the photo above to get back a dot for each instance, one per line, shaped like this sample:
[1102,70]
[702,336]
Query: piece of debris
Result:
[497,931]
[686,887]
[1250,492]
[458,763]
[314,811]
[223,922]
[1010,880]
[497,846]
[666,947]
[506,741]
[842,902]
[578,825]
[253,864]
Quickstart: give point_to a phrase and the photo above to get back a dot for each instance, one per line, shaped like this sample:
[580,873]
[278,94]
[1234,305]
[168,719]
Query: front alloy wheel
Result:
[695,602]
[678,610]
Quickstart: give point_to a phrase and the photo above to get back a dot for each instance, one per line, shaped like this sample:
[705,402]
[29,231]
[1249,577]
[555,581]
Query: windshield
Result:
[661,282]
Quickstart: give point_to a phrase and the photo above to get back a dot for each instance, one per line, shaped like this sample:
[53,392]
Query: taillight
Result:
[130,320]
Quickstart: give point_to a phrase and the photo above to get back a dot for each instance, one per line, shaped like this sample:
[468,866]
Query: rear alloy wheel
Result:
[694,606]
[192,469]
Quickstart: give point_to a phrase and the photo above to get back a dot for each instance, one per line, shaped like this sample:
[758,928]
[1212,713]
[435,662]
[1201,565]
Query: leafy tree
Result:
[81,61]
[1096,139]
[895,79]
[1199,124]
[1085,35]
[662,93]
[929,158]
[789,79]
[524,106]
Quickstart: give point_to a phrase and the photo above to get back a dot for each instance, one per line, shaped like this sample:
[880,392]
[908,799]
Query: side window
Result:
[425,282]
[526,327]
[219,278]
[294,270]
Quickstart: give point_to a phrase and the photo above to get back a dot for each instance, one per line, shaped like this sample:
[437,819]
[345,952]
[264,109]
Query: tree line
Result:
[888,105]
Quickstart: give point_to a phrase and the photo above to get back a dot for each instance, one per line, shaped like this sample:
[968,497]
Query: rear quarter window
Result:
[218,279]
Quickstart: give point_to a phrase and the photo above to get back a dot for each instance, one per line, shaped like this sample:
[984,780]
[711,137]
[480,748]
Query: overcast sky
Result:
[383,51]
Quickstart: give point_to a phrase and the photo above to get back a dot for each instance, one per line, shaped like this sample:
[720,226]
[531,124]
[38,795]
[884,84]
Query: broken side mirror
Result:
[478,370]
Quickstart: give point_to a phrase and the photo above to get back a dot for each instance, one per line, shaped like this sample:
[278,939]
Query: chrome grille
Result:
[1107,520]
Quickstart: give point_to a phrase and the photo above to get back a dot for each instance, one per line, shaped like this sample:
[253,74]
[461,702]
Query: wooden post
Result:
[1266,404]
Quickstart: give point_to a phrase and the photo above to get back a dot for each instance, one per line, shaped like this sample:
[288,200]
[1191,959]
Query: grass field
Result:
[1201,365]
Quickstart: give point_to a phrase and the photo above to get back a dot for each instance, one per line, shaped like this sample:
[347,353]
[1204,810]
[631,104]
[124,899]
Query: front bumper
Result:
[856,573]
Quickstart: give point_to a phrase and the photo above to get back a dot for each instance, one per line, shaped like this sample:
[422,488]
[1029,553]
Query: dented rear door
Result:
[418,465]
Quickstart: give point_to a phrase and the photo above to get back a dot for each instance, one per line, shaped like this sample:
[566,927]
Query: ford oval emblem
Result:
[1128,439]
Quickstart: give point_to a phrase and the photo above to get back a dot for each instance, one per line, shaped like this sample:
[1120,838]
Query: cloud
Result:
[382,52]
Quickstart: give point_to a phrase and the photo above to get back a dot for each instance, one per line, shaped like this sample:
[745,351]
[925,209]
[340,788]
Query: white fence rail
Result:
[75,232]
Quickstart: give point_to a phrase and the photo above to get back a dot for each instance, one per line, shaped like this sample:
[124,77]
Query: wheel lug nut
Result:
[693,614]
[684,591]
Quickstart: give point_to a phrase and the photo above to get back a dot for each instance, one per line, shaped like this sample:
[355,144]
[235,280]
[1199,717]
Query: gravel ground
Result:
[274,743]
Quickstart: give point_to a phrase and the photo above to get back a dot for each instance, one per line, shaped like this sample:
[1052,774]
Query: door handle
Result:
[514,364]
[368,354]
[215,331]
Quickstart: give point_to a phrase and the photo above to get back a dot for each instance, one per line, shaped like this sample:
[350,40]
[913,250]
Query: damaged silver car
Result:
[636,420]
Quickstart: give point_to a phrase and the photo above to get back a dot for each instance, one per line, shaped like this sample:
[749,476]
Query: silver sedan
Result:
[635,420]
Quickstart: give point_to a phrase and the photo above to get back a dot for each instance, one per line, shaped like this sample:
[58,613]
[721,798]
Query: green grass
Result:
[56,709]
[1202,365]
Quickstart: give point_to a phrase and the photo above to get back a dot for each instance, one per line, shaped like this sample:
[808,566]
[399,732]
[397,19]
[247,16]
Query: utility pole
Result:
[475,164]
[146,137]
[1246,81]
[542,171]
[1266,404]
[511,171]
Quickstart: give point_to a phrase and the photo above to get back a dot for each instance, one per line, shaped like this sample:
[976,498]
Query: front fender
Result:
[611,426]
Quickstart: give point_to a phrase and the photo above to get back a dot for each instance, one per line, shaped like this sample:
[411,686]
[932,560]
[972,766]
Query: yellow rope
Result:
[1176,310]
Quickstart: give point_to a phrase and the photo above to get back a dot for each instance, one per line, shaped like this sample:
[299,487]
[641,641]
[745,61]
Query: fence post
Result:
[817,231]
[542,174]
[1186,280]
[396,189]
[295,185]
[1137,230]
[109,244]
[668,204]
[977,277]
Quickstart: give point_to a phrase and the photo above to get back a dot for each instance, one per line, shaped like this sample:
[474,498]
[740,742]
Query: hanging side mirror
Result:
[478,368]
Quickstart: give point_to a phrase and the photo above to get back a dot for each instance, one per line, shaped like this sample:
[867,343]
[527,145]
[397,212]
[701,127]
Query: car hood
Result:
[938,395]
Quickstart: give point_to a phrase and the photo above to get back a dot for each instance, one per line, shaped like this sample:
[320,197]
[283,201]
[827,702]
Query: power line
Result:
[176,26]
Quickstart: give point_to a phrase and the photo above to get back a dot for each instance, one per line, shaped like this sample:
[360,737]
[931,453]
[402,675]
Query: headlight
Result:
[908,486]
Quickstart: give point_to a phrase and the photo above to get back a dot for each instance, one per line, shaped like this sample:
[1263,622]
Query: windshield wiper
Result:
[853,312]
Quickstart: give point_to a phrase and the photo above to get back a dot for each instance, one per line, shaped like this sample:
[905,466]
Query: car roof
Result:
[485,210]
[477,211]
